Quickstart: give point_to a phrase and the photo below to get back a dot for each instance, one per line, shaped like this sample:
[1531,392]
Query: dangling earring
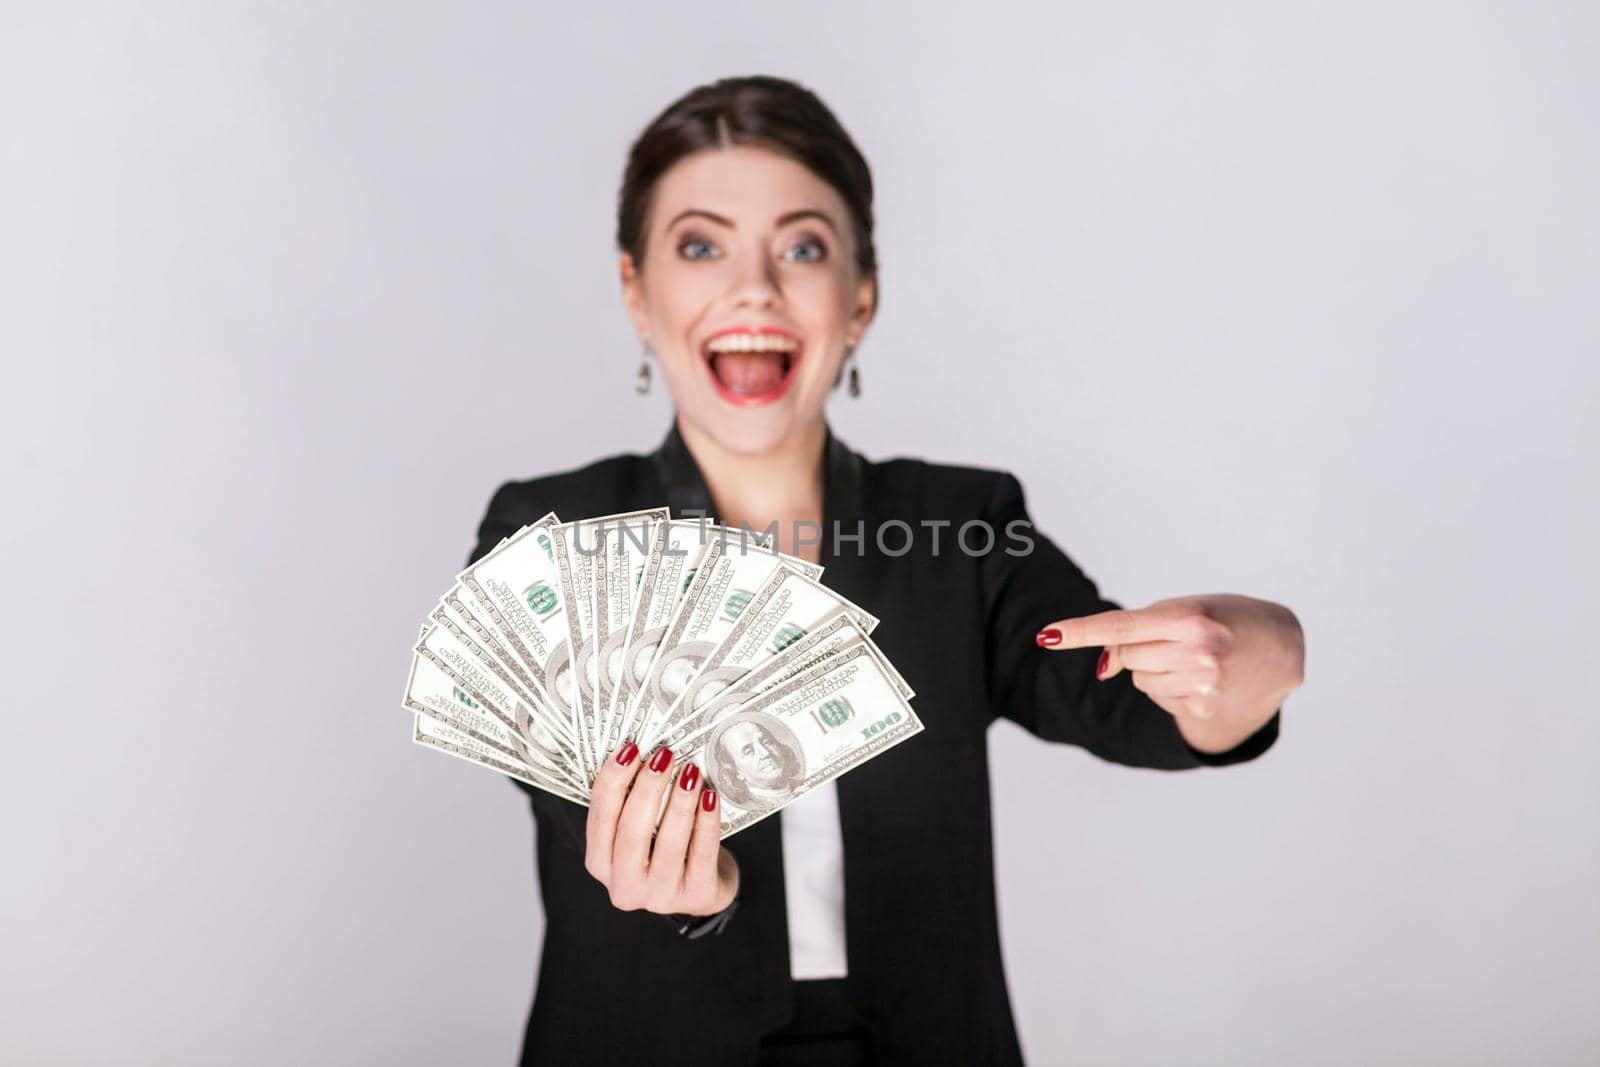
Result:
[641,383]
[855,374]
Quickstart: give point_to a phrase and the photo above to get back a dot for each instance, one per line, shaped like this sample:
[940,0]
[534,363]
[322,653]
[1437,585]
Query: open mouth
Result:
[752,366]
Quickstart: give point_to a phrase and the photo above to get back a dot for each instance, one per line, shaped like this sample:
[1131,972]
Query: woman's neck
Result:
[783,485]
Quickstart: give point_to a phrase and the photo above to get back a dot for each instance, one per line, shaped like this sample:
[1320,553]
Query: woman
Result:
[858,925]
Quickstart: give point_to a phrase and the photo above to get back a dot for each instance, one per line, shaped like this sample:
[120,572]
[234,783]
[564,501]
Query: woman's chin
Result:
[753,431]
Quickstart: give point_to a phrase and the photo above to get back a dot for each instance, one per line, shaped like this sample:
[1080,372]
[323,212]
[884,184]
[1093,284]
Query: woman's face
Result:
[749,293]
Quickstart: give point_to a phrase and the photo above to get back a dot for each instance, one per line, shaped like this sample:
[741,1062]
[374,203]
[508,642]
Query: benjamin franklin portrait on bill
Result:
[755,760]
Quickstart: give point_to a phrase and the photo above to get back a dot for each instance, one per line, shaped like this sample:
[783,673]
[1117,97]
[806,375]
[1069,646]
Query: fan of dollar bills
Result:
[571,638]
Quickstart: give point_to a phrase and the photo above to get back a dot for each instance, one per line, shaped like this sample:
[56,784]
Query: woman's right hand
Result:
[678,868]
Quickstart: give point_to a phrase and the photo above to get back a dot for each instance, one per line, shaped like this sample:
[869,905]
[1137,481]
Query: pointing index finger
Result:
[1119,626]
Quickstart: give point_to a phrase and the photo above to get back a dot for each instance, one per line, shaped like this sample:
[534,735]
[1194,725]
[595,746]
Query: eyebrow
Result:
[783,220]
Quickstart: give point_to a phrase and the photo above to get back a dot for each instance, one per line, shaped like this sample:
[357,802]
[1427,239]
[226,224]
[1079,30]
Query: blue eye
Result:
[687,246]
[818,251]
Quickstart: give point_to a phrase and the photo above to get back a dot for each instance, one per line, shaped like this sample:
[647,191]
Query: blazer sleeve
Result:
[1054,694]
[499,522]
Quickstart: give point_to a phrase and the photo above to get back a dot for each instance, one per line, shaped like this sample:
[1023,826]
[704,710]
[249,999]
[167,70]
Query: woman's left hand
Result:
[1220,663]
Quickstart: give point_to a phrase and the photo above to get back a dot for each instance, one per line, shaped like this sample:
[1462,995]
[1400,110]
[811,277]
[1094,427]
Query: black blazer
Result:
[920,925]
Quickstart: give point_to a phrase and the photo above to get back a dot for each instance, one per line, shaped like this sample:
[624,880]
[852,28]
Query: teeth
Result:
[752,342]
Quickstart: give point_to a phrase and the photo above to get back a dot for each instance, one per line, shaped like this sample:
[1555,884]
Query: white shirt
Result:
[813,881]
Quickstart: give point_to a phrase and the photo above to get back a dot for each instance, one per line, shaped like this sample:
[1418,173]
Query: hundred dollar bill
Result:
[433,693]
[640,569]
[479,639]
[824,640]
[577,547]
[456,659]
[464,610]
[669,566]
[444,738]
[787,605]
[731,569]
[548,728]
[807,730]
[518,589]
[619,568]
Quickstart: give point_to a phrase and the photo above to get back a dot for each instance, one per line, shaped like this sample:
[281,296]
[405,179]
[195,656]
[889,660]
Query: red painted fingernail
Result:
[708,800]
[1048,636]
[629,751]
[1105,661]
[661,759]
[689,778]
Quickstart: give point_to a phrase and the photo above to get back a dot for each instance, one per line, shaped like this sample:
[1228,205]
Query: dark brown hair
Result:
[755,109]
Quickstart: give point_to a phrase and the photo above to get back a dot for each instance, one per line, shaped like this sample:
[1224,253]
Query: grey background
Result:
[1288,300]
